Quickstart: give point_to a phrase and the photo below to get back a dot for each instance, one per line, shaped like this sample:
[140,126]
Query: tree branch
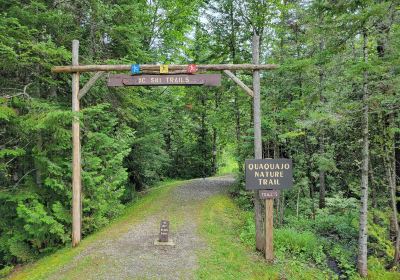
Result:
[7,96]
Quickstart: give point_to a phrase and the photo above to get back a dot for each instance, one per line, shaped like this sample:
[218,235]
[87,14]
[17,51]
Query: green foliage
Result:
[38,225]
[134,212]
[227,258]
[344,259]
[243,198]
[122,133]
[305,245]
[377,270]
[134,137]
[247,233]
[6,270]
[302,244]
[379,236]
[227,163]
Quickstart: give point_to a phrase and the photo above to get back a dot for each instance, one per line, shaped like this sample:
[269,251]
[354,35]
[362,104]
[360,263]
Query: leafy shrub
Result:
[35,211]
[376,270]
[378,234]
[247,232]
[336,226]
[244,200]
[6,270]
[340,204]
[337,221]
[344,259]
[302,244]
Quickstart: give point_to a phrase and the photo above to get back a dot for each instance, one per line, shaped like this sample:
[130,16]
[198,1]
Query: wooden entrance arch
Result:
[77,93]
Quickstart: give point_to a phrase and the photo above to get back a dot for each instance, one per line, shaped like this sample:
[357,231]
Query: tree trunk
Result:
[214,151]
[321,178]
[203,136]
[258,205]
[282,208]
[374,201]
[232,46]
[390,166]
[363,230]
[322,172]
[214,136]
[321,189]
[392,186]
[39,146]
[297,203]
[397,153]
[238,130]
[310,177]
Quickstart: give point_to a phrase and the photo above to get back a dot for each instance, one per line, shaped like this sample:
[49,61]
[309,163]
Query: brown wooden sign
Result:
[267,194]
[164,230]
[268,174]
[164,80]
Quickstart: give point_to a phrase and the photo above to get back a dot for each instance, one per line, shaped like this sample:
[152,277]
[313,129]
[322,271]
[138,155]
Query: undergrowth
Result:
[230,235]
[329,241]
[143,206]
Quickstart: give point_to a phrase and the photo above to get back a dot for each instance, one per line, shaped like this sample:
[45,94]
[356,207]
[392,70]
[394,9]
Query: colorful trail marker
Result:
[135,69]
[192,68]
[164,69]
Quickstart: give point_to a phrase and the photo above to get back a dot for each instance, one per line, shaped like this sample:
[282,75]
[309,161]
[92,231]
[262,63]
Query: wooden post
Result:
[261,232]
[269,226]
[76,152]
[258,207]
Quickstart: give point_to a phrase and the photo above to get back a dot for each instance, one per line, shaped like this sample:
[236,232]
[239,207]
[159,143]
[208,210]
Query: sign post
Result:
[269,176]
[269,229]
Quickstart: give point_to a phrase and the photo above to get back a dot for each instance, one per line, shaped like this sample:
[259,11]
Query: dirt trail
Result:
[132,254]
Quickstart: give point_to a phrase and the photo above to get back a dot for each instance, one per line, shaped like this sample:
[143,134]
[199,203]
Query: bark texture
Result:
[258,205]
[363,230]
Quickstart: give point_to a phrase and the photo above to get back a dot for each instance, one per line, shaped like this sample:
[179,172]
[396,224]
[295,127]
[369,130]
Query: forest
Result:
[332,106]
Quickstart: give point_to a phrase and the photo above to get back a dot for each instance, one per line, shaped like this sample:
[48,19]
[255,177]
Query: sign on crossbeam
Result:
[121,80]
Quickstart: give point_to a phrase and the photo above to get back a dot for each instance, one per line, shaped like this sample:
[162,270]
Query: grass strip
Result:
[133,213]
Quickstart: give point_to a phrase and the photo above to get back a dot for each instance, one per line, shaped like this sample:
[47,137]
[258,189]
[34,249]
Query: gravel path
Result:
[133,255]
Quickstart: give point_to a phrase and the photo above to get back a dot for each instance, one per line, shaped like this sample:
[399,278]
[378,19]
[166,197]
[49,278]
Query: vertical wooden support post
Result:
[269,226]
[76,152]
[258,207]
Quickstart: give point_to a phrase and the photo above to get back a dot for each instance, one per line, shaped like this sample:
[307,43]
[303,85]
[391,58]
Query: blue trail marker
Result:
[135,69]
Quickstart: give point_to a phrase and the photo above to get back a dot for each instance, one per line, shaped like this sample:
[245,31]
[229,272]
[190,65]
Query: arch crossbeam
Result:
[156,67]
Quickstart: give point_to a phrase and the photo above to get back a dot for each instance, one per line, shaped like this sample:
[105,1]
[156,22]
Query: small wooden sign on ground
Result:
[163,237]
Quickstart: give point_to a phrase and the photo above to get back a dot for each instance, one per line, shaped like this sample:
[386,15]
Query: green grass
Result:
[134,213]
[229,258]
[376,270]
